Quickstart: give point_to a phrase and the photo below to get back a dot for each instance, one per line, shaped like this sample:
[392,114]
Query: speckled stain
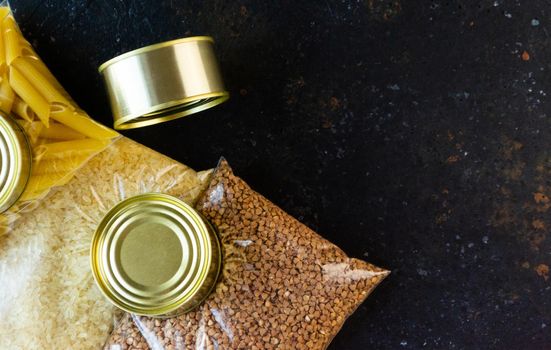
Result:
[525,219]
[385,10]
[543,271]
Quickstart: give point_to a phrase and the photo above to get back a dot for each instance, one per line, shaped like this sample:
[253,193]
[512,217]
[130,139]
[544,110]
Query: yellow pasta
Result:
[70,148]
[39,185]
[32,130]
[41,67]
[2,48]
[30,95]
[14,44]
[57,131]
[22,109]
[60,165]
[4,11]
[30,91]
[81,123]
[7,96]
[39,81]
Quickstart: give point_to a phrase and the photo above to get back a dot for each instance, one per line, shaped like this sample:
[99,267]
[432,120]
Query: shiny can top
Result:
[162,82]
[152,254]
[15,161]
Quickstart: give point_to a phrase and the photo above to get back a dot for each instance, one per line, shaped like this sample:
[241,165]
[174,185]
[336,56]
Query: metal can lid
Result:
[15,161]
[151,254]
[163,82]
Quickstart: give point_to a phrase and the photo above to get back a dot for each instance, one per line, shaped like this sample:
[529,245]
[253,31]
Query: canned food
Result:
[154,255]
[15,161]
[164,81]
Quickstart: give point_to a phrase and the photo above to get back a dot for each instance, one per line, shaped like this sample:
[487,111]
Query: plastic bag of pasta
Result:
[282,285]
[60,172]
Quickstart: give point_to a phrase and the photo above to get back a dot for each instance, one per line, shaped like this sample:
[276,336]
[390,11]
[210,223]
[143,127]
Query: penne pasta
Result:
[60,165]
[4,12]
[57,131]
[33,95]
[3,66]
[22,109]
[32,129]
[39,81]
[70,148]
[40,184]
[41,67]
[7,96]
[30,95]
[14,43]
[81,123]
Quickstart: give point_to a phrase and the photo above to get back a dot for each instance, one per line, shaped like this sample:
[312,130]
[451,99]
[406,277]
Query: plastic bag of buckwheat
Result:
[283,286]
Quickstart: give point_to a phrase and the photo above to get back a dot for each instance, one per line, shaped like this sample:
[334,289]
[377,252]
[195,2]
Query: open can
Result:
[154,255]
[15,161]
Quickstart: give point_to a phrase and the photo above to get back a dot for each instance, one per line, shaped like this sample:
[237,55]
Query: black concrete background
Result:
[413,134]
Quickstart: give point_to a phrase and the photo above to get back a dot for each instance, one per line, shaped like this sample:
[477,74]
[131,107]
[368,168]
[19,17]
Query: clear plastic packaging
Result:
[48,298]
[44,136]
[282,285]
[80,169]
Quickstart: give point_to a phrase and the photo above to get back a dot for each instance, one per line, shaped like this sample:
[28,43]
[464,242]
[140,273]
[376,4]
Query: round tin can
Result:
[154,255]
[163,82]
[15,161]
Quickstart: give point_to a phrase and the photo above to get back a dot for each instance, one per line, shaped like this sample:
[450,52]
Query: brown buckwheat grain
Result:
[282,287]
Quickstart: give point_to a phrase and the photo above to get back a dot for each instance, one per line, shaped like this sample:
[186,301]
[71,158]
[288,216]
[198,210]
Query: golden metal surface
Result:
[154,255]
[15,161]
[163,82]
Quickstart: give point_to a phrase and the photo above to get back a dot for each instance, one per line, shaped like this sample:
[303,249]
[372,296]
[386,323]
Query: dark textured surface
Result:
[414,134]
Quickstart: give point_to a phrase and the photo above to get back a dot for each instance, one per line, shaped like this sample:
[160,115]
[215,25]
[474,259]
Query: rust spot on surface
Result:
[514,172]
[541,198]
[334,103]
[536,240]
[385,10]
[510,147]
[543,271]
[525,56]
[503,215]
[442,217]
[452,159]
[326,122]
[243,11]
[543,202]
[538,224]
[505,191]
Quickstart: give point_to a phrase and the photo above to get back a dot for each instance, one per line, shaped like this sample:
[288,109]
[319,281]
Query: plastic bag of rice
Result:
[77,169]
[282,285]
[48,298]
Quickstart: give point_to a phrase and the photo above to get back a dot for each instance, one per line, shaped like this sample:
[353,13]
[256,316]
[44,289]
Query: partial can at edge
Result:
[15,161]
[154,255]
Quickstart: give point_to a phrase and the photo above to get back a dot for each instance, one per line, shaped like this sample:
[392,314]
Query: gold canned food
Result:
[163,82]
[15,161]
[154,255]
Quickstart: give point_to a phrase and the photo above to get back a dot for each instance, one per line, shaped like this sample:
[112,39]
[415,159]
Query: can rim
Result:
[102,280]
[148,48]
[212,99]
[23,153]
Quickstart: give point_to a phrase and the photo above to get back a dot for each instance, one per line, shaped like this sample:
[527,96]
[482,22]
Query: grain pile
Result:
[48,299]
[282,287]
